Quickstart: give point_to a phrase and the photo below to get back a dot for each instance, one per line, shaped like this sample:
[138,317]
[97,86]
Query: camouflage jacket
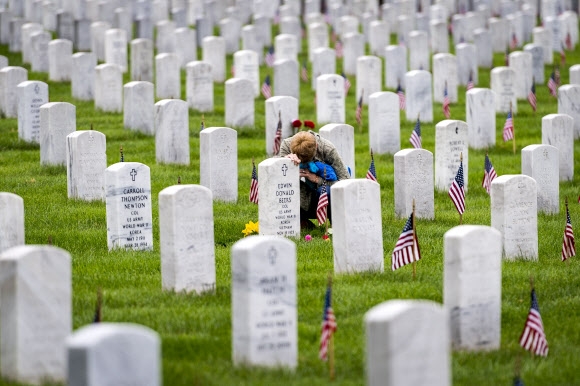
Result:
[325,152]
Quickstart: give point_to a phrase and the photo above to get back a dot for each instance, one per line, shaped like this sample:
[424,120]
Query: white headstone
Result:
[330,99]
[279,198]
[426,358]
[142,60]
[543,37]
[186,238]
[537,53]
[83,75]
[450,144]
[114,354]
[139,107]
[514,213]
[218,149]
[568,97]
[317,38]
[323,62]
[11,221]
[230,30]
[419,96]
[251,41]
[247,67]
[521,62]
[108,88]
[368,77]
[558,131]
[116,48]
[60,60]
[574,72]
[39,59]
[419,53]
[541,162]
[98,30]
[172,132]
[128,203]
[379,36]
[483,47]
[395,66]
[353,47]
[445,75]
[357,226]
[342,137]
[167,76]
[439,36]
[286,78]
[31,95]
[472,286]
[480,112]
[165,38]
[264,302]
[414,182]
[279,107]
[503,85]
[10,78]
[286,47]
[239,103]
[86,161]
[214,53]
[199,86]
[384,123]
[57,120]
[466,63]
[26,32]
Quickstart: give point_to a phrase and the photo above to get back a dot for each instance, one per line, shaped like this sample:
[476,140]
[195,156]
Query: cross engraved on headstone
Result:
[456,129]
[545,152]
[133,174]
[36,89]
[272,255]
[91,138]
[284,169]
[334,82]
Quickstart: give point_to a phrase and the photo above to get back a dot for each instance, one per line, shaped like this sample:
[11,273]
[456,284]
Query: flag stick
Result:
[566,201]
[460,214]
[531,289]
[331,372]
[513,130]
[414,246]
[326,220]
[362,92]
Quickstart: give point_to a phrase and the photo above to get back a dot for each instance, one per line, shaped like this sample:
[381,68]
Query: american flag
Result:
[359,108]
[470,83]
[533,337]
[328,324]
[321,209]
[266,88]
[514,41]
[568,247]
[532,97]
[446,103]
[372,172]
[278,137]
[254,185]
[416,135]
[488,174]
[457,190]
[346,84]
[338,48]
[401,94]
[508,127]
[407,249]
[569,46]
[304,72]
[553,85]
[270,56]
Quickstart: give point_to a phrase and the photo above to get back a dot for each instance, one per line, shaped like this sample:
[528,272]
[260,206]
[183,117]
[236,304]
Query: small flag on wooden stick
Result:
[533,337]
[372,172]
[457,190]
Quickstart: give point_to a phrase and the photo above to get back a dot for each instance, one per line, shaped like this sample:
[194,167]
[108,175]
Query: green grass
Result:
[196,330]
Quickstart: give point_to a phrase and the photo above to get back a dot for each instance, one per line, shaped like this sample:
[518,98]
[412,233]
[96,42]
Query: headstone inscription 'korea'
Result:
[472,286]
[264,302]
[86,161]
[407,344]
[36,303]
[128,198]
[514,212]
[186,238]
[357,226]
[279,197]
[11,220]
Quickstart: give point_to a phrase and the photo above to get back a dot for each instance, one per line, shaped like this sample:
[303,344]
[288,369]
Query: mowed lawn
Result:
[196,330]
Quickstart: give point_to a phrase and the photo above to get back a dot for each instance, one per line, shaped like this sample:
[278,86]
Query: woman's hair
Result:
[304,146]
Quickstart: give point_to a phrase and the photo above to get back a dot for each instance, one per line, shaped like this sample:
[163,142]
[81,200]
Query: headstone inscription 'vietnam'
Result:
[407,344]
[279,198]
[11,221]
[114,354]
[186,237]
[414,183]
[36,303]
[128,198]
[264,302]
[357,226]
[86,161]
[472,286]
[514,212]
[219,162]
[31,95]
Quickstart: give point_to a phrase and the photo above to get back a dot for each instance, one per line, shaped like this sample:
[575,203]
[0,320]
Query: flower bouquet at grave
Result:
[251,228]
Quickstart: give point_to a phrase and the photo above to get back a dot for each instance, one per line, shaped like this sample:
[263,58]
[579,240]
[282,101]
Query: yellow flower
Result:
[251,228]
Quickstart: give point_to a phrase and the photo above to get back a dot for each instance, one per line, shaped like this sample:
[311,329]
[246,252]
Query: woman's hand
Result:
[309,175]
[294,158]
